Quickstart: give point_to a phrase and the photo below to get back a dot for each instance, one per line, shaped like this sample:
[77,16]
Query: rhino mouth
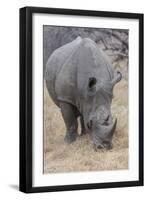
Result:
[102,135]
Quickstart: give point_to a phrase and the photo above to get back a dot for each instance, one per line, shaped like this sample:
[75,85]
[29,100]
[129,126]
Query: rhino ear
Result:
[117,78]
[92,85]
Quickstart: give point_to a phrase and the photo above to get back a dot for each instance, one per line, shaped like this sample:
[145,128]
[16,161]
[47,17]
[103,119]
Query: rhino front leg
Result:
[70,119]
[83,130]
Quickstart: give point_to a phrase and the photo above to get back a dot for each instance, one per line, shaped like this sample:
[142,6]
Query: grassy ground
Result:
[80,156]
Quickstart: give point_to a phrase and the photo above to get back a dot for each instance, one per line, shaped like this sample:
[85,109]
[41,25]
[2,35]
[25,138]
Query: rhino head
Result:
[97,111]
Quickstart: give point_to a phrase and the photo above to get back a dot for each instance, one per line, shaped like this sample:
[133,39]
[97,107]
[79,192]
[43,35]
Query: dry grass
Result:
[80,156]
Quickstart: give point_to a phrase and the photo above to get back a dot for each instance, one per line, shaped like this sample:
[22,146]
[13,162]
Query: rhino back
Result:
[70,67]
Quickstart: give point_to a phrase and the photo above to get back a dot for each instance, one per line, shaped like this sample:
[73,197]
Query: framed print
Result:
[81,99]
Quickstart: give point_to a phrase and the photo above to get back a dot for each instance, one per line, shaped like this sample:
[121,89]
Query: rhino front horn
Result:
[112,129]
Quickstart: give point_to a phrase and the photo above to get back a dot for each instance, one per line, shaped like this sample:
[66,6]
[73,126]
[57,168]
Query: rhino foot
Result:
[83,132]
[70,137]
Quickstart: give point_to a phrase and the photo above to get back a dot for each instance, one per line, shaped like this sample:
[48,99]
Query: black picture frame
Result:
[26,89]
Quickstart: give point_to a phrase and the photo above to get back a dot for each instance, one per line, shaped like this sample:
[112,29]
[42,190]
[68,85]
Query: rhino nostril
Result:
[107,144]
[89,124]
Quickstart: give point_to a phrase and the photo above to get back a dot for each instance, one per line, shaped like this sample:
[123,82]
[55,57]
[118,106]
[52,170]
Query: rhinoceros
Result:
[80,81]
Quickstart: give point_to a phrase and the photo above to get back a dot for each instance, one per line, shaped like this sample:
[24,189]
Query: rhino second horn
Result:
[117,78]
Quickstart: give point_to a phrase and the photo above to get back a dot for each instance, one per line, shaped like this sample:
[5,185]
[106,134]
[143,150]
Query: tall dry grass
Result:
[80,156]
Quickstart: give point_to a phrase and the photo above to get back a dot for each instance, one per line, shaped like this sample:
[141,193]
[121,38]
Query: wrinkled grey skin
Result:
[80,81]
